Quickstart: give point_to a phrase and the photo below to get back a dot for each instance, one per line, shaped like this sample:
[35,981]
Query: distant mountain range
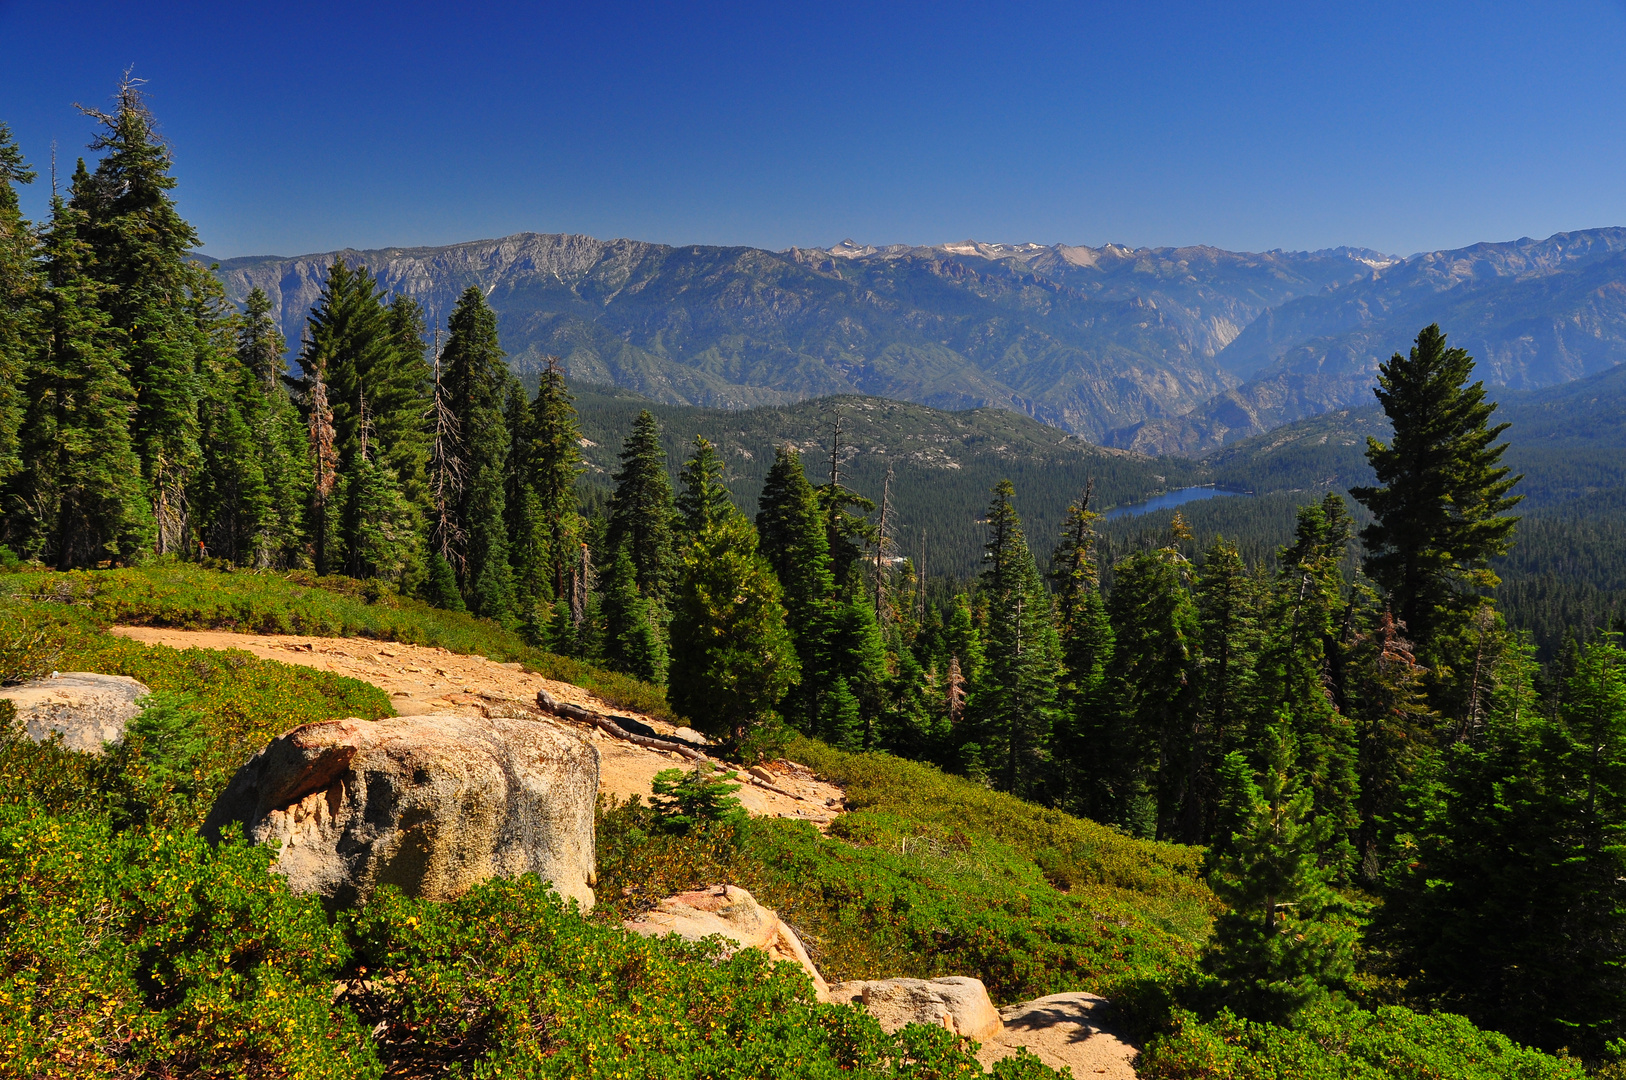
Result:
[1162,350]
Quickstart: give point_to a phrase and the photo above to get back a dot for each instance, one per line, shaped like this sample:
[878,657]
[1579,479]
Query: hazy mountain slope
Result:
[1569,441]
[1086,339]
[1532,313]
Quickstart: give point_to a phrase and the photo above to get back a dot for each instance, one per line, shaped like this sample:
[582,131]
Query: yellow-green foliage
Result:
[1327,1043]
[929,875]
[189,597]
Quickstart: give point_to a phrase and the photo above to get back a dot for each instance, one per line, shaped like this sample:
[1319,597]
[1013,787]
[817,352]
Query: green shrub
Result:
[686,799]
[508,981]
[1330,1043]
[151,953]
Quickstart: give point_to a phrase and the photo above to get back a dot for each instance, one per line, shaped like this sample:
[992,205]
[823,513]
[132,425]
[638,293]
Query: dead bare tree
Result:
[446,474]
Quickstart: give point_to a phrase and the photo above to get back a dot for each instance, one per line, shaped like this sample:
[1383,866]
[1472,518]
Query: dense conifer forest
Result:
[1395,799]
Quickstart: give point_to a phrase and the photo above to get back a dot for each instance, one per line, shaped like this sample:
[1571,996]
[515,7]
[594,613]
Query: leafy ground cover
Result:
[129,946]
[190,597]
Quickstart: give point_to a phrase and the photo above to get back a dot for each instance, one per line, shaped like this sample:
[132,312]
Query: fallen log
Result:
[550,704]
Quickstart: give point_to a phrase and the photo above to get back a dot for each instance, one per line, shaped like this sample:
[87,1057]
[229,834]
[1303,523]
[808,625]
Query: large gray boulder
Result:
[87,709]
[429,804]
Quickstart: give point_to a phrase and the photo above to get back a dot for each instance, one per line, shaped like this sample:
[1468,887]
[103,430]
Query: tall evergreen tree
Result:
[527,537]
[732,656]
[1295,665]
[19,297]
[1086,650]
[475,380]
[80,491]
[555,466]
[1228,616]
[1014,712]
[1443,495]
[641,511]
[703,498]
[794,541]
[157,296]
[1512,909]
[1288,938]
[1394,731]
[1153,686]
[253,489]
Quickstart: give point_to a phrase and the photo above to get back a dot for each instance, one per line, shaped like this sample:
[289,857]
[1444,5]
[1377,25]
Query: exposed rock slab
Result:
[87,709]
[955,1002]
[733,914]
[430,804]
[1073,1030]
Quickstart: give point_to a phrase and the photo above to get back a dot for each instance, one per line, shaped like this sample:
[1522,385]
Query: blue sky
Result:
[305,127]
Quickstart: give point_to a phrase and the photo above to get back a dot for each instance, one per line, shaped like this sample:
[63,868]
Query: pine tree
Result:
[475,380]
[704,499]
[527,535]
[80,489]
[1086,649]
[327,548]
[641,509]
[1288,937]
[1296,663]
[1227,598]
[1442,503]
[555,467]
[1394,729]
[633,638]
[1153,688]
[1014,712]
[794,542]
[19,297]
[847,533]
[158,297]
[1512,908]
[732,656]
[252,492]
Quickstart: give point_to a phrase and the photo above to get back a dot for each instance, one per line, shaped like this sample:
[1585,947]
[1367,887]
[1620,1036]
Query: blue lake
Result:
[1168,499]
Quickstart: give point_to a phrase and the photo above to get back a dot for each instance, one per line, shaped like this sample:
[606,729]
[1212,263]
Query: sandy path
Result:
[1064,1029]
[422,680]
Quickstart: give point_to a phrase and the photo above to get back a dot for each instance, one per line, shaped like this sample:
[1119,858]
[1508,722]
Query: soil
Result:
[421,680]
[1074,1030]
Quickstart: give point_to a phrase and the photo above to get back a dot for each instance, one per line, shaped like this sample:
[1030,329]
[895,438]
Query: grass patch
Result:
[931,875]
[188,597]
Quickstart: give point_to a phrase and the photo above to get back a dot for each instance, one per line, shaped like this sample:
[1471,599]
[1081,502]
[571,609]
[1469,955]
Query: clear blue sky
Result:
[302,127]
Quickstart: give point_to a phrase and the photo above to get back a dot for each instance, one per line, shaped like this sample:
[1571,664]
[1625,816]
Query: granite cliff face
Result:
[1087,339]
[1162,350]
[1533,313]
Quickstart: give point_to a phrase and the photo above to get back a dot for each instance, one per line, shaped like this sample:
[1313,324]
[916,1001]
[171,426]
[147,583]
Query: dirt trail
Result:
[422,679]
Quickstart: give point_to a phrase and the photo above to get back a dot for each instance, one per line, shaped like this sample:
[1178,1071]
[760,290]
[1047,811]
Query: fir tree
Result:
[1086,649]
[80,491]
[732,657]
[555,466]
[475,379]
[1512,908]
[527,536]
[1288,938]
[633,641]
[1442,503]
[704,498]
[641,510]
[1227,598]
[795,543]
[1394,730]
[1013,714]
[19,297]
[157,296]
[1153,686]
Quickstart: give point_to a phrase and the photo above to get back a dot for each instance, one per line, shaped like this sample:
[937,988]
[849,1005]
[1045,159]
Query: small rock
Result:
[690,735]
[955,1002]
[513,667]
[732,913]
[406,706]
[88,709]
